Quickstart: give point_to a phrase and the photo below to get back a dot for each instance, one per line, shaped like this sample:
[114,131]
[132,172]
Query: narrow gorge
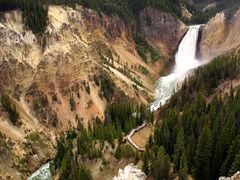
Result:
[185,61]
[119,89]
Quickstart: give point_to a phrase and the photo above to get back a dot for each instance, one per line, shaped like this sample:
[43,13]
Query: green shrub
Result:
[72,103]
[10,108]
[34,136]
[143,48]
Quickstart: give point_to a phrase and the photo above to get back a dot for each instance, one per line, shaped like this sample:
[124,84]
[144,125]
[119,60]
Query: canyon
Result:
[52,78]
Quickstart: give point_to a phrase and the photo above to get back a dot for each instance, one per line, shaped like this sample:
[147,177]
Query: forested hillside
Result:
[35,12]
[78,76]
[195,136]
[82,144]
[35,15]
[203,10]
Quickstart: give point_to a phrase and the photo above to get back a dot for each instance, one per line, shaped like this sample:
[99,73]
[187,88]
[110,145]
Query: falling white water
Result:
[185,60]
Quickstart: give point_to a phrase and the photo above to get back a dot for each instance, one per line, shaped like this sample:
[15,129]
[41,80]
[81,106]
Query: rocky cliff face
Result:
[220,35]
[46,72]
[162,30]
[51,78]
[75,46]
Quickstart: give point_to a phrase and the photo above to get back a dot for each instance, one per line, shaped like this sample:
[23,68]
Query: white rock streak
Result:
[130,172]
[43,173]
[236,176]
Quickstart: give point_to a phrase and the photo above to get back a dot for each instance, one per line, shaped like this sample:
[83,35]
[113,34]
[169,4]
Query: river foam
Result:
[185,60]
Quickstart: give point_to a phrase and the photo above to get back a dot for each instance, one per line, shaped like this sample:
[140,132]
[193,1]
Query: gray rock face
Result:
[130,172]
[162,30]
[220,35]
[234,177]
[43,173]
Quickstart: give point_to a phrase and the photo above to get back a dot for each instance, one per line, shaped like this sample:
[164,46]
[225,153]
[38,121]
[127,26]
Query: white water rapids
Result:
[185,60]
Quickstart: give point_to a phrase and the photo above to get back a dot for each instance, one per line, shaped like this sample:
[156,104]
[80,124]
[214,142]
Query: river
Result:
[185,60]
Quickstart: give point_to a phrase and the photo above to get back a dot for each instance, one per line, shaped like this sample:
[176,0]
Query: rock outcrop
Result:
[220,35]
[162,30]
[130,172]
[76,45]
[51,78]
[79,43]
[236,176]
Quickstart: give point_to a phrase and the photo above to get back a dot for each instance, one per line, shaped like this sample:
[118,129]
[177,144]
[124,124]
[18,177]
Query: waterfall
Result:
[185,60]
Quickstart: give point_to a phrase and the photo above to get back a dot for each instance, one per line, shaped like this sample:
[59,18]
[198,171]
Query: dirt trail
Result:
[141,137]
[138,137]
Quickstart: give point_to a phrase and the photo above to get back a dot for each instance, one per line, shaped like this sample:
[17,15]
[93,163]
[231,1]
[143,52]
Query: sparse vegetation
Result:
[34,136]
[9,107]
[143,48]
[200,17]
[54,98]
[54,120]
[34,12]
[72,103]
[143,69]
[128,73]
[88,143]
[35,15]
[125,151]
[67,164]
[107,86]
[40,105]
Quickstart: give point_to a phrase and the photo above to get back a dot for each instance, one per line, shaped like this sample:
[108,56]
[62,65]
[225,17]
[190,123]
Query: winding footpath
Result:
[133,131]
[185,61]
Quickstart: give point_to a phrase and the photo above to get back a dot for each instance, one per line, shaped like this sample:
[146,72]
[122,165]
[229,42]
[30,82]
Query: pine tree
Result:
[145,167]
[66,166]
[161,165]
[178,148]
[150,141]
[183,172]
[118,152]
[236,165]
[84,173]
[10,108]
[75,175]
[72,103]
[203,156]
[60,152]
[191,150]
[231,154]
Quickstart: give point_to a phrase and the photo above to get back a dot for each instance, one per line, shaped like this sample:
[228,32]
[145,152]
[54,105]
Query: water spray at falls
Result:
[185,60]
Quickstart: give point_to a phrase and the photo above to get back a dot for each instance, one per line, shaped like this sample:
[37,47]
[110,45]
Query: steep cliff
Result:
[76,45]
[162,31]
[79,43]
[54,78]
[220,35]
